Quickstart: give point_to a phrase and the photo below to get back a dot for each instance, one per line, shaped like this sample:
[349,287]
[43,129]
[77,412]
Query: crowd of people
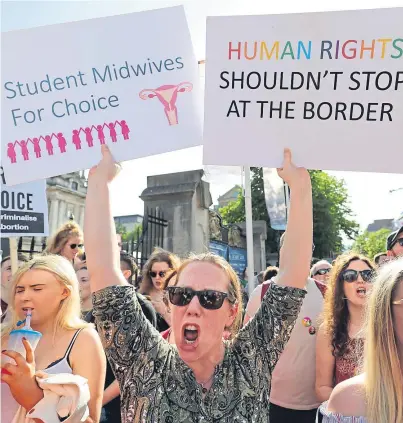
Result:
[315,342]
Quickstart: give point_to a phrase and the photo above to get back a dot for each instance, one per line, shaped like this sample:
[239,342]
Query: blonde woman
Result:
[48,286]
[376,396]
[67,241]
[202,377]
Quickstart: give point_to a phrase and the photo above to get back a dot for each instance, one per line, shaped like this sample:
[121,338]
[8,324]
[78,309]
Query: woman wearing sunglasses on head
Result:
[376,396]
[155,272]
[202,377]
[67,241]
[320,271]
[340,341]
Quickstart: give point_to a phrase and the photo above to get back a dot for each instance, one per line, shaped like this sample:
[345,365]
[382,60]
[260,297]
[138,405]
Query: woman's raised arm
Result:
[296,252]
[99,227]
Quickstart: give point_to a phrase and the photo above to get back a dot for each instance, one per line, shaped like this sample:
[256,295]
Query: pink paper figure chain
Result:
[100,131]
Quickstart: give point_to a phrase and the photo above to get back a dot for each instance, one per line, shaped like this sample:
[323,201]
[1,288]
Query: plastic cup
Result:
[15,340]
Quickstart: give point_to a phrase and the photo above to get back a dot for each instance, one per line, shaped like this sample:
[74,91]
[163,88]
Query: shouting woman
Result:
[203,377]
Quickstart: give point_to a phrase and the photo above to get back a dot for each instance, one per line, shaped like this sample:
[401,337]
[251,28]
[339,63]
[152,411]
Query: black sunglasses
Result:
[351,275]
[322,272]
[74,246]
[399,241]
[208,298]
[161,274]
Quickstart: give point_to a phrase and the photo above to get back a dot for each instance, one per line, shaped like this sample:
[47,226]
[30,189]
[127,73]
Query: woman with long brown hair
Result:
[66,242]
[340,341]
[155,272]
[376,396]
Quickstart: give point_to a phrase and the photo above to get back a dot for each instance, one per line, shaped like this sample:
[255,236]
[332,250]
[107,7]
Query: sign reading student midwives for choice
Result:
[129,81]
[327,85]
[24,209]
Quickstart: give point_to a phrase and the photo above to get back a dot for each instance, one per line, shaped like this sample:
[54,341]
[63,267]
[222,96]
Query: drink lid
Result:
[25,332]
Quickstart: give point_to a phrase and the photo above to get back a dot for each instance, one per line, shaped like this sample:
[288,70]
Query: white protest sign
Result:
[130,81]
[24,209]
[327,85]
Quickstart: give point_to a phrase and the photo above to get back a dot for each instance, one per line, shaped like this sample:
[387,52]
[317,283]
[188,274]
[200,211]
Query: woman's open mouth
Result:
[190,334]
[361,292]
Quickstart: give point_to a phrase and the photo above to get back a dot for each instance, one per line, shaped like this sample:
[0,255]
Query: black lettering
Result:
[233,109]
[289,109]
[320,107]
[398,80]
[341,108]
[308,107]
[262,103]
[386,87]
[353,107]
[241,80]
[276,109]
[336,75]
[370,110]
[386,108]
[244,103]
[301,81]
[352,77]
[368,78]
[29,202]
[223,79]
[258,80]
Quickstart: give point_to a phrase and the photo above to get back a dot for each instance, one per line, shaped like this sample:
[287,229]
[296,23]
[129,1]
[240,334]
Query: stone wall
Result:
[184,199]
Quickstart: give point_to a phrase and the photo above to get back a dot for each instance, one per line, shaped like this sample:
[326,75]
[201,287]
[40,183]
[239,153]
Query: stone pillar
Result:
[53,215]
[62,213]
[184,199]
[81,217]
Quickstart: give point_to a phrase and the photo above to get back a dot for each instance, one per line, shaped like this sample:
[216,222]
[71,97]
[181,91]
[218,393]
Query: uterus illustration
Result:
[167,95]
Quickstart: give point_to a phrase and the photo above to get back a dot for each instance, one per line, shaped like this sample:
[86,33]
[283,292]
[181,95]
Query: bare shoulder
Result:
[87,341]
[88,336]
[348,397]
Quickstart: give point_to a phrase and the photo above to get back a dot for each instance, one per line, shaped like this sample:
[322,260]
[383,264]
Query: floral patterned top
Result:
[347,366]
[157,386]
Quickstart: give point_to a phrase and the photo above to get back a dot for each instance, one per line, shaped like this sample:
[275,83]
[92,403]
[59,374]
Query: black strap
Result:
[70,347]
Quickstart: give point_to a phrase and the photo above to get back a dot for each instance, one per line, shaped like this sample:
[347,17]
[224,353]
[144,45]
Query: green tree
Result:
[371,243]
[331,212]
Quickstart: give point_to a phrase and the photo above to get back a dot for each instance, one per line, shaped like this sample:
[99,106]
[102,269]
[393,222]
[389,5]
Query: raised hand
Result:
[290,173]
[107,169]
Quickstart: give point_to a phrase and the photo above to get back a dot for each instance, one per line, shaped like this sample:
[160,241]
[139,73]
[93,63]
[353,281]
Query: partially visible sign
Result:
[327,85]
[274,193]
[219,248]
[24,209]
[238,259]
[130,81]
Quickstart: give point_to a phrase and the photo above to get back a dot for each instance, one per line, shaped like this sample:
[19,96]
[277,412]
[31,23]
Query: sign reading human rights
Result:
[129,81]
[327,85]
[24,209]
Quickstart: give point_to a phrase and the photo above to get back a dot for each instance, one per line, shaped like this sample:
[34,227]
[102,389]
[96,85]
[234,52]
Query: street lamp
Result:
[394,190]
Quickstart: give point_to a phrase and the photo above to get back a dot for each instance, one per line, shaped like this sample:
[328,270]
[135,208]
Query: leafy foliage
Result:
[371,243]
[332,213]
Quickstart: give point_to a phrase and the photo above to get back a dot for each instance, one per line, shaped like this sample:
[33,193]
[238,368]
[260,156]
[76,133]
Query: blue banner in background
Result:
[238,259]
[219,248]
